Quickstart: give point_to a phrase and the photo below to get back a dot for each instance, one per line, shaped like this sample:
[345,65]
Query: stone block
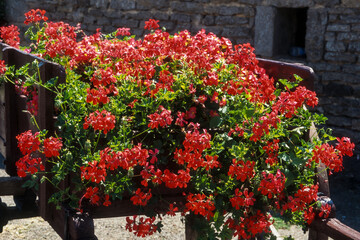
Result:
[188,7]
[208,20]
[181,17]
[160,15]
[230,10]
[129,23]
[111,13]
[325,67]
[355,27]
[348,36]
[235,32]
[89,20]
[289,3]
[230,20]
[340,77]
[340,57]
[214,29]
[122,4]
[314,39]
[95,12]
[141,15]
[183,26]
[327,3]
[93,28]
[351,68]
[99,3]
[353,18]
[339,121]
[338,90]
[78,16]
[149,4]
[350,3]
[102,21]
[354,46]
[330,36]
[333,18]
[333,46]
[355,123]
[264,30]
[168,25]
[338,28]
[341,10]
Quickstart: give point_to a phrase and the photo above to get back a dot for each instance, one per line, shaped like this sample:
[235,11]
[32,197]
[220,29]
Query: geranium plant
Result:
[187,112]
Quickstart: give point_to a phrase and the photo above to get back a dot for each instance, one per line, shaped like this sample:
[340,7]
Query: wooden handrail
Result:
[335,229]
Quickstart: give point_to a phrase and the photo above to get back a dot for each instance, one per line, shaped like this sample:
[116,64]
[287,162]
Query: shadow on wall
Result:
[2,13]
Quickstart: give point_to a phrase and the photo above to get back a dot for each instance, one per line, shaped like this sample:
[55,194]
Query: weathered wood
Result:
[190,232]
[282,70]
[335,229]
[11,186]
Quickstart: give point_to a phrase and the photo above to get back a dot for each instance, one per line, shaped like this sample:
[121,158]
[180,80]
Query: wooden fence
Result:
[70,225]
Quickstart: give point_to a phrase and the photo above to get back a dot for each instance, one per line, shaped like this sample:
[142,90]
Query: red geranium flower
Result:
[151,24]
[35,16]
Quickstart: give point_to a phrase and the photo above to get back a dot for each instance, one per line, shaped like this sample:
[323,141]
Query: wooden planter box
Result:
[69,225]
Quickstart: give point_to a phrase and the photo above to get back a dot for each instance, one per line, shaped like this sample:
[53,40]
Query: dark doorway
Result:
[290,32]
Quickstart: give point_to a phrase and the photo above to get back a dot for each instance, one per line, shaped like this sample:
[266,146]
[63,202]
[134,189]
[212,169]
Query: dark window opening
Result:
[290,32]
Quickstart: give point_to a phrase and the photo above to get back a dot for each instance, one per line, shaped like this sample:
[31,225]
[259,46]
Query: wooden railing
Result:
[70,225]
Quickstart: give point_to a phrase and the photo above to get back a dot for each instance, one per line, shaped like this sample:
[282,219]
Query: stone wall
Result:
[332,40]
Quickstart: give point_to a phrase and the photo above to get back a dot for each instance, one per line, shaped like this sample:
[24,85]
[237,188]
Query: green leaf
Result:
[52,82]
[288,84]
[215,121]
[289,177]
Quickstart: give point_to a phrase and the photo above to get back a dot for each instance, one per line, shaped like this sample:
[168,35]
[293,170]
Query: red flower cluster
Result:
[95,172]
[151,24]
[102,121]
[250,226]
[242,199]
[163,119]
[289,102]
[10,35]
[262,127]
[141,198]
[28,142]
[331,156]
[2,67]
[96,96]
[345,146]
[28,164]
[145,227]
[171,180]
[60,39]
[93,195]
[272,186]
[200,204]
[52,147]
[123,32]
[194,145]
[241,170]
[303,198]
[271,149]
[35,16]
[103,77]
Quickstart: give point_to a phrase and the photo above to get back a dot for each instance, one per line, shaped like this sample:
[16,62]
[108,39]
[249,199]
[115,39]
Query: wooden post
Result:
[190,232]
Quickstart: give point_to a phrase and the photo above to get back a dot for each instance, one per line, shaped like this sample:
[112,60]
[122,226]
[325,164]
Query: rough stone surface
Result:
[264,30]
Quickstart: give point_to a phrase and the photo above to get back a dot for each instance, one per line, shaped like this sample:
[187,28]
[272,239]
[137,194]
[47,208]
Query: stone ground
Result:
[345,189]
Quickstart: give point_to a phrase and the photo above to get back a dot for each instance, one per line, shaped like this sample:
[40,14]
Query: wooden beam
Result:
[335,229]
[12,186]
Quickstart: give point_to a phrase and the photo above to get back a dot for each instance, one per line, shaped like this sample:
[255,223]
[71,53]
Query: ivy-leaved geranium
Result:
[187,113]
